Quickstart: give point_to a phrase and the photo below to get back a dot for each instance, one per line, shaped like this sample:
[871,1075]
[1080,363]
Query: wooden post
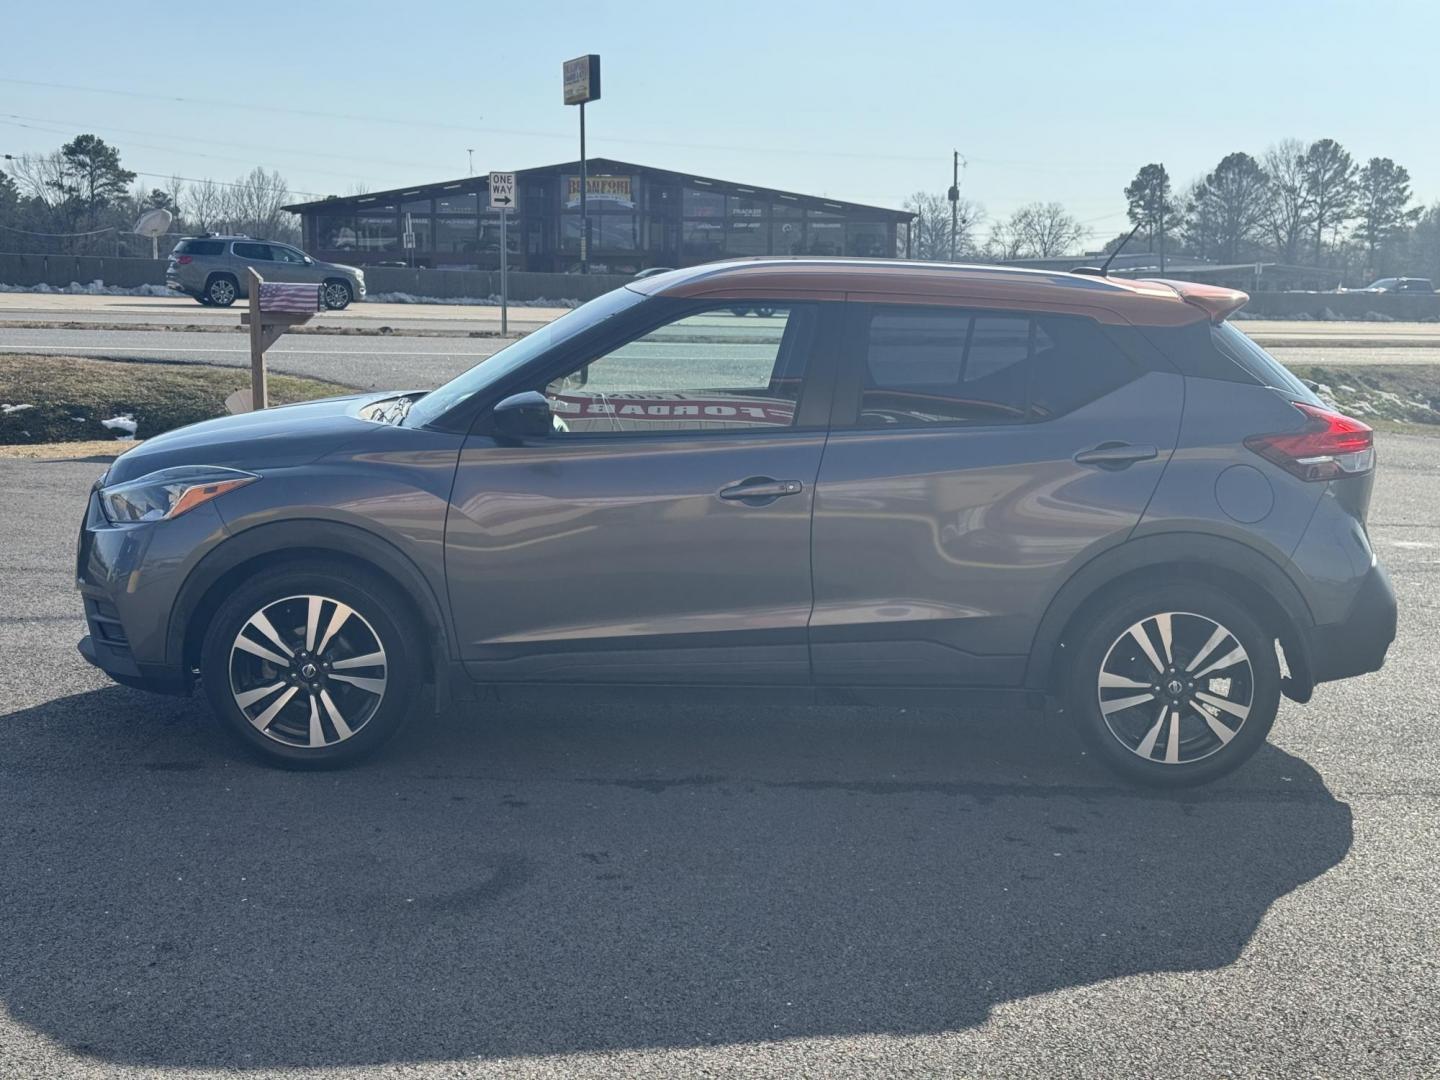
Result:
[258,396]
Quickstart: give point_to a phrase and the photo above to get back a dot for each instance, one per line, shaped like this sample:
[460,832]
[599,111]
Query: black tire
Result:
[1169,736]
[336,294]
[221,290]
[321,692]
[202,300]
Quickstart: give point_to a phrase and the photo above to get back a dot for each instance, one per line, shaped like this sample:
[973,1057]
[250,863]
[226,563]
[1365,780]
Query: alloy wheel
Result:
[336,295]
[307,671]
[1175,688]
[222,292]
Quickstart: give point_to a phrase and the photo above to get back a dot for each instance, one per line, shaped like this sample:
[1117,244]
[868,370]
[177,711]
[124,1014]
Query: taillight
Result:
[1329,446]
[184,260]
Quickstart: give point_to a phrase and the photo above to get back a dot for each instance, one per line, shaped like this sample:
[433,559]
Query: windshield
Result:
[509,359]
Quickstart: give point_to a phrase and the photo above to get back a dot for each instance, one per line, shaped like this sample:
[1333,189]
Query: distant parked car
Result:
[1399,285]
[212,270]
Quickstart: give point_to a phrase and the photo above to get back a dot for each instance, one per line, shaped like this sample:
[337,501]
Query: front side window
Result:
[952,366]
[286,255]
[725,369]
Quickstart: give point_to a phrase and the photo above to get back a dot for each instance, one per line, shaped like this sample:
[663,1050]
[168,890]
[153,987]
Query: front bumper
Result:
[128,577]
[1357,644]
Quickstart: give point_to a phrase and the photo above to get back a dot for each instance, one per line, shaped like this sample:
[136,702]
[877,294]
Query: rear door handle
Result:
[758,490]
[1116,455]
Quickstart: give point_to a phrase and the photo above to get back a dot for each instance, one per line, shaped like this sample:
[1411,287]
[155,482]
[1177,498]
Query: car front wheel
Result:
[307,666]
[1173,685]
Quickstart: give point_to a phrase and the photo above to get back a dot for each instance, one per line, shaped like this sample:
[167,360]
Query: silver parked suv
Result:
[212,270]
[911,482]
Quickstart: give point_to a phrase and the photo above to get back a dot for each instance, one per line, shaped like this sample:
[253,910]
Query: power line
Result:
[416,122]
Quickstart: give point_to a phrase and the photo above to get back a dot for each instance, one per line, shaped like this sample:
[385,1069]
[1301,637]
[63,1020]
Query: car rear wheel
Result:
[221,290]
[1174,685]
[310,667]
[337,295]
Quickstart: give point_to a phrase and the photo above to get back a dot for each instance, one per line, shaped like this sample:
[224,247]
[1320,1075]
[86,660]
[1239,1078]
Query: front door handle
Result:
[759,490]
[1116,455]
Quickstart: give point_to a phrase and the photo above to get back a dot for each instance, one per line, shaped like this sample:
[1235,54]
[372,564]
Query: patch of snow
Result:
[94,288]
[124,423]
[8,409]
[467,301]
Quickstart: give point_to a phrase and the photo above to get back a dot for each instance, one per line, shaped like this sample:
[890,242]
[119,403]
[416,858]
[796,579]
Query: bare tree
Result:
[40,177]
[930,231]
[1036,231]
[1290,212]
[253,204]
[204,205]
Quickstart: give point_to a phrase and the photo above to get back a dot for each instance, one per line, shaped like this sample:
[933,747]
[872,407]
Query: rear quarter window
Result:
[1233,344]
[199,247]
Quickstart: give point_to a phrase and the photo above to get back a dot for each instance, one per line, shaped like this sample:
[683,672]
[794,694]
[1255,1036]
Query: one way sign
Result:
[502,191]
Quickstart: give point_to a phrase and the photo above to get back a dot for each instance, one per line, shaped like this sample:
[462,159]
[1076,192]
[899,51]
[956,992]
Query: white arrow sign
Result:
[502,191]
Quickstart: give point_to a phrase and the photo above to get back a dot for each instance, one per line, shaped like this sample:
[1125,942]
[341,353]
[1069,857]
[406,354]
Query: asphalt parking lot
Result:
[584,890]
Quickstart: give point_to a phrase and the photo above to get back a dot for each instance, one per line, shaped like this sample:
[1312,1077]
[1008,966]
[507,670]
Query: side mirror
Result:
[309,261]
[521,416]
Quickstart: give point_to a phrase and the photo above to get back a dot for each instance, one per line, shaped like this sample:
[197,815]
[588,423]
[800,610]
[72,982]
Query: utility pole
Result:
[1164,206]
[954,204]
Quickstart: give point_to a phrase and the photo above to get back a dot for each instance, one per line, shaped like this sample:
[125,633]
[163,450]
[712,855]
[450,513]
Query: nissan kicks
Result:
[910,482]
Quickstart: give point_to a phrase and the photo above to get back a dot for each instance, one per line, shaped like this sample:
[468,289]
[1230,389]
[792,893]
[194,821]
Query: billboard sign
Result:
[582,79]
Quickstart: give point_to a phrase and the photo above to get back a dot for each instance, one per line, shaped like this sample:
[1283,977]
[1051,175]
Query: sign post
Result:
[582,84]
[502,198]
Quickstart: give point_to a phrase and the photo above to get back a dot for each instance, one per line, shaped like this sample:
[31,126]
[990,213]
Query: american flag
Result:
[294,299]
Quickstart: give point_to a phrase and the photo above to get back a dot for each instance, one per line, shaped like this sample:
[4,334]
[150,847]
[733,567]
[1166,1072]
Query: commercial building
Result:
[639,217]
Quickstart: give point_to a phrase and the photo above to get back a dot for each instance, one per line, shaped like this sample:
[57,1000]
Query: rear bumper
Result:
[1358,643]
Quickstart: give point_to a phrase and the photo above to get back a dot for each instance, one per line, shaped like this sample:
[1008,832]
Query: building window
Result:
[335,232]
[616,232]
[746,238]
[748,207]
[697,203]
[377,231]
[825,237]
[703,240]
[867,239]
[420,226]
[456,235]
[457,202]
[787,238]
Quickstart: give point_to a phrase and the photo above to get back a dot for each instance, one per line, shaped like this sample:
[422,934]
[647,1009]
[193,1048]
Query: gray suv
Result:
[212,270]
[911,482]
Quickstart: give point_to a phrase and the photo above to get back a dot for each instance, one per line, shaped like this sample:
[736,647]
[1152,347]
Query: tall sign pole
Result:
[502,198]
[582,84]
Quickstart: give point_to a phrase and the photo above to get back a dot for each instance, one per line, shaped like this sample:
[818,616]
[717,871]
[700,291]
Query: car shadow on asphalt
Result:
[578,879]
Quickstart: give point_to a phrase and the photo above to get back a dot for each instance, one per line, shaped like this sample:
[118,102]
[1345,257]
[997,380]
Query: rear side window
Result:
[253,251]
[199,247]
[953,366]
[1257,363]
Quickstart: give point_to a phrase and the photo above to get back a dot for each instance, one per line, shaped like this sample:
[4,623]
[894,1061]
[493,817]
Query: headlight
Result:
[169,493]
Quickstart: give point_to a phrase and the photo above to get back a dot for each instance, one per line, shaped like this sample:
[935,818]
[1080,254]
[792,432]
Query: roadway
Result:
[583,890]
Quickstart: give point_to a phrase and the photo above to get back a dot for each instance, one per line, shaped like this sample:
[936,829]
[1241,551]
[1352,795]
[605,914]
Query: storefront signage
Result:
[618,190]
